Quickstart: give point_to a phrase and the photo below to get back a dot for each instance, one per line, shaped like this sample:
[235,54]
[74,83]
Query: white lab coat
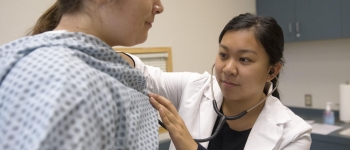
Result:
[277,127]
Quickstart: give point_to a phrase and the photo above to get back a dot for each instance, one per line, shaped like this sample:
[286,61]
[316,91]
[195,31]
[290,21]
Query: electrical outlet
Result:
[308,100]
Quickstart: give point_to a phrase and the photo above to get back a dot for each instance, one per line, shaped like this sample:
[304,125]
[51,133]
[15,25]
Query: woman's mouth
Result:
[149,23]
[229,84]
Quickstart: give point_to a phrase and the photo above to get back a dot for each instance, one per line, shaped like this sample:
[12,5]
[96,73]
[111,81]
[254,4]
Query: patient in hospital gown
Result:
[65,90]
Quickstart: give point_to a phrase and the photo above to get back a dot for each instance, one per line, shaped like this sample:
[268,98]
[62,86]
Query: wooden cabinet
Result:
[305,20]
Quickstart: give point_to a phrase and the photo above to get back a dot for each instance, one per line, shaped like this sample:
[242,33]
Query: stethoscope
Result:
[223,118]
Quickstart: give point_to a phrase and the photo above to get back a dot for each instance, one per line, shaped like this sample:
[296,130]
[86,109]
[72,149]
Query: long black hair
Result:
[266,31]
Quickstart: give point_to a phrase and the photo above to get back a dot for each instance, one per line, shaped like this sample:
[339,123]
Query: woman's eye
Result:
[244,59]
[222,55]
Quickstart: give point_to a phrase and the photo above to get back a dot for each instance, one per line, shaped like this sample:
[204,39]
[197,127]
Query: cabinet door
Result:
[345,18]
[283,12]
[322,145]
[318,19]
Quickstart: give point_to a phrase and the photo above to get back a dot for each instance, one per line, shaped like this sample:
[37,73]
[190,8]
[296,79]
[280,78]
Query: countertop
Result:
[316,115]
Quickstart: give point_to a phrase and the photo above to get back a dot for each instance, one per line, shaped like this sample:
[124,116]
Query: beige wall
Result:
[316,68]
[17,16]
[192,28]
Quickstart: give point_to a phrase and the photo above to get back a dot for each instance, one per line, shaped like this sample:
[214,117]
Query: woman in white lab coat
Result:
[249,59]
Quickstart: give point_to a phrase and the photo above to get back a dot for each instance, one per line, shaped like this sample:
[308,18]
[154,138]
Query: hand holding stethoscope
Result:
[178,131]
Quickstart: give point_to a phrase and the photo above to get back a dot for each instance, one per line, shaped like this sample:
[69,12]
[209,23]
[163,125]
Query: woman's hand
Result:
[176,127]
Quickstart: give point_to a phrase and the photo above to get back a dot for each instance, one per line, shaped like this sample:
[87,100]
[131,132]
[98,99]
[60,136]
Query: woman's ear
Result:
[274,71]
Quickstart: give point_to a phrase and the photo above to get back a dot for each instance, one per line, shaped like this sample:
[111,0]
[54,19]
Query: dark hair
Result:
[266,31]
[50,19]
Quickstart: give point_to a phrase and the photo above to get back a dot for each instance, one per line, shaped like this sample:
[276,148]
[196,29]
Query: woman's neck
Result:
[232,108]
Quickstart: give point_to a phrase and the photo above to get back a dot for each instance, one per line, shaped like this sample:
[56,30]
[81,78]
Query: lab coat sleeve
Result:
[168,84]
[302,141]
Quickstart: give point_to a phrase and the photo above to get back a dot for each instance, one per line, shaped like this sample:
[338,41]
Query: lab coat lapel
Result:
[268,128]
[207,112]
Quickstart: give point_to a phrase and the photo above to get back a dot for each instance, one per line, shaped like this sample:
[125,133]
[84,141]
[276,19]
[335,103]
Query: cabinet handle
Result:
[297,26]
[290,28]
[297,29]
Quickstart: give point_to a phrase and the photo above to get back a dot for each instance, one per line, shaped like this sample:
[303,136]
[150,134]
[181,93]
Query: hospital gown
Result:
[63,90]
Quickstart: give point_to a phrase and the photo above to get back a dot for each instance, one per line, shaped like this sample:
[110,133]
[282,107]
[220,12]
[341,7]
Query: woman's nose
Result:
[158,7]
[230,68]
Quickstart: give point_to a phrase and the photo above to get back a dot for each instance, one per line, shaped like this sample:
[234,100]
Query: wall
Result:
[192,28]
[316,68]
[17,16]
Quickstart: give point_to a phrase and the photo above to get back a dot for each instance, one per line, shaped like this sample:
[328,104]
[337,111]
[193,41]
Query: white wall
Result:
[316,68]
[17,16]
[192,29]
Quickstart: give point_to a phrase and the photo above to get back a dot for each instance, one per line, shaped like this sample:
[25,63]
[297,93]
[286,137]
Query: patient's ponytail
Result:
[48,21]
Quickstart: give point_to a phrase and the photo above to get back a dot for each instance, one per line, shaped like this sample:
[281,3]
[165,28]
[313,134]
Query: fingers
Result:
[164,102]
[168,124]
[168,118]
[178,131]
[166,113]
[155,103]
